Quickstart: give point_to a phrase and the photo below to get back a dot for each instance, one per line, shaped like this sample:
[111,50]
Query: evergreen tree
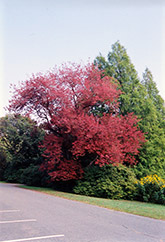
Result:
[153,93]
[142,98]
[120,67]
[152,155]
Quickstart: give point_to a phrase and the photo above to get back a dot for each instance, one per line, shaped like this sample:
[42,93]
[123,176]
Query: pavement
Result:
[27,215]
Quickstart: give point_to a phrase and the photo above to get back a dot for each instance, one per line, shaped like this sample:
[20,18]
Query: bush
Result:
[12,173]
[151,189]
[32,176]
[114,182]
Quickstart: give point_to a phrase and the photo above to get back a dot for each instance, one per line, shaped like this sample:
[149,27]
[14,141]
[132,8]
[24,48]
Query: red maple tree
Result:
[78,108]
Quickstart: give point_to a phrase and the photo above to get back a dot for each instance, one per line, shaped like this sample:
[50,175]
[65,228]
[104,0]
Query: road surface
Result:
[32,216]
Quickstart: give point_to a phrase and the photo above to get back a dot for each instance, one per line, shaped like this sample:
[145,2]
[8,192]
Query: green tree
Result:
[152,154]
[153,94]
[142,98]
[119,66]
[20,138]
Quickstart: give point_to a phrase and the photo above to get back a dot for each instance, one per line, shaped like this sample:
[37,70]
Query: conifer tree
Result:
[153,93]
[143,99]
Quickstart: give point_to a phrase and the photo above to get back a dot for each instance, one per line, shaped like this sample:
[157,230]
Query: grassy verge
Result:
[139,208]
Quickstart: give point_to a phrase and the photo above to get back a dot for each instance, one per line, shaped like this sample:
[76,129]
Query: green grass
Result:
[139,208]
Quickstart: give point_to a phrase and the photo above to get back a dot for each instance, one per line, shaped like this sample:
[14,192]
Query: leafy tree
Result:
[78,109]
[20,138]
[143,100]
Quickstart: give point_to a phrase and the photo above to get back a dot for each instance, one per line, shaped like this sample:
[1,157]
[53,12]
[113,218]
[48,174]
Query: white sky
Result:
[36,35]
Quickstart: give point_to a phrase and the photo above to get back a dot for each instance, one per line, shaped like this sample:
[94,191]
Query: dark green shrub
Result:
[32,176]
[12,173]
[114,182]
[151,189]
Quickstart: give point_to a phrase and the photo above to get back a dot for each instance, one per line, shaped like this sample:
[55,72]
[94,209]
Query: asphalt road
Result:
[32,216]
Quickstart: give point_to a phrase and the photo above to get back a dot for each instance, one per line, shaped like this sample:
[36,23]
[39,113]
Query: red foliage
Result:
[78,108]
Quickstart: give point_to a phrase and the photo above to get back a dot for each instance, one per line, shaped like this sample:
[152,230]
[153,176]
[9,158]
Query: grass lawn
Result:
[139,208]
